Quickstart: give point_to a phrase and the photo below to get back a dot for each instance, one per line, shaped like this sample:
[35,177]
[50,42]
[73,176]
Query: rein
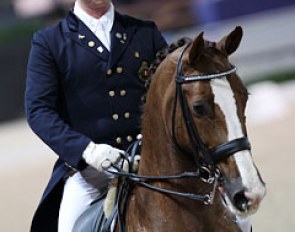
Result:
[142,181]
[129,179]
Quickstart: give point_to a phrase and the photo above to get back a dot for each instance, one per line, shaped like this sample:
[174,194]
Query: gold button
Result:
[119,69]
[111,93]
[115,117]
[127,115]
[91,44]
[136,54]
[118,140]
[109,72]
[129,138]
[123,93]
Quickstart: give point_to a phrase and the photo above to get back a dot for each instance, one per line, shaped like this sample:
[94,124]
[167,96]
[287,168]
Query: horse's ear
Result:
[231,42]
[197,48]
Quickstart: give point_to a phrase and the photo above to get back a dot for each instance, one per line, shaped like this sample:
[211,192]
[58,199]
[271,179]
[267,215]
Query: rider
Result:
[83,93]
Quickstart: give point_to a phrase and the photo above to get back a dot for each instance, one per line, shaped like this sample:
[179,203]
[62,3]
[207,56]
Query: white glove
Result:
[101,156]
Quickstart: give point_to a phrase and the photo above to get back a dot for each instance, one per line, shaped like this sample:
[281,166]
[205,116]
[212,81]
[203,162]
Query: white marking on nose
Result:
[224,98]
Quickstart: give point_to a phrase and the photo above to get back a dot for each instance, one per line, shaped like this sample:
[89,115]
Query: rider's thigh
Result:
[80,190]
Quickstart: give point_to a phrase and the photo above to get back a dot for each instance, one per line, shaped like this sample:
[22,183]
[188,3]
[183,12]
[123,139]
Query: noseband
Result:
[211,157]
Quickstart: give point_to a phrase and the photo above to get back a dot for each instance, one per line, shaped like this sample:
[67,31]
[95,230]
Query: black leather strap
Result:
[210,157]
[225,150]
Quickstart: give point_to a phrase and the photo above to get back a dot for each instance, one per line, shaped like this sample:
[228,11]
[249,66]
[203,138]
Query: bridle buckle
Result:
[207,175]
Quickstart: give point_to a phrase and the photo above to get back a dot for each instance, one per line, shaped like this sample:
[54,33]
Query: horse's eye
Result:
[200,108]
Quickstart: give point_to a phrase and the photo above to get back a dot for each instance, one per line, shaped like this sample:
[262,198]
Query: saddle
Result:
[93,219]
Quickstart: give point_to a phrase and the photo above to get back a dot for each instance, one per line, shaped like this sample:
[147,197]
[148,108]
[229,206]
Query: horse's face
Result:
[218,110]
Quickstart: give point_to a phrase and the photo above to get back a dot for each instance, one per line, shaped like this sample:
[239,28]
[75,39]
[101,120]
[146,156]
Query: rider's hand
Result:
[101,156]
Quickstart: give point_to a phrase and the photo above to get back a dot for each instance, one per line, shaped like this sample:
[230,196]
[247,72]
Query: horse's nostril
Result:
[241,201]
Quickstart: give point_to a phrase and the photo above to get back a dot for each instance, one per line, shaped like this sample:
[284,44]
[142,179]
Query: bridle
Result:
[206,165]
[211,157]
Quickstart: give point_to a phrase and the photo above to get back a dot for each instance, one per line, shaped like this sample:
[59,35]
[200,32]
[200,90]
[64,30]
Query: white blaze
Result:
[224,98]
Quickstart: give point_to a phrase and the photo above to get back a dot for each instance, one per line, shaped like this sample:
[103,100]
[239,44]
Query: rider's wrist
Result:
[88,150]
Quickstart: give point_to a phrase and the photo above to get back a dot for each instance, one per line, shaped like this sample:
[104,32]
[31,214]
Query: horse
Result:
[196,170]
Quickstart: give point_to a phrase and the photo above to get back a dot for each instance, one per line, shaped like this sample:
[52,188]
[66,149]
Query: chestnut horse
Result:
[196,170]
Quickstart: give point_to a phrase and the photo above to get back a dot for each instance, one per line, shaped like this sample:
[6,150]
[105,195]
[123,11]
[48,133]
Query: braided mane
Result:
[162,54]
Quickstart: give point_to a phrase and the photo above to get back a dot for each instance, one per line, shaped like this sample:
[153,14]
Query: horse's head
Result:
[216,99]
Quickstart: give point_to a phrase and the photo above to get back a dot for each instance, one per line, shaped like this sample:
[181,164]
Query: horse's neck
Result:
[156,156]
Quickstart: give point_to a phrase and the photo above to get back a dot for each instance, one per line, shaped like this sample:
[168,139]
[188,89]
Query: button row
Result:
[118,70]
[112,93]
[119,140]
[127,115]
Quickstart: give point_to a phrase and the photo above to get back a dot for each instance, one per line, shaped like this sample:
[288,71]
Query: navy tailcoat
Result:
[77,91]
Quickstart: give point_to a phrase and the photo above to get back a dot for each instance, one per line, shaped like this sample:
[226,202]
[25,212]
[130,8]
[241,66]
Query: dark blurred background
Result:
[20,18]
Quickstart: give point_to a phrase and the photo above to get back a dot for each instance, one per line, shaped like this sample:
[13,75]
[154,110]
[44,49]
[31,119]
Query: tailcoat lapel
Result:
[82,35]
[121,36]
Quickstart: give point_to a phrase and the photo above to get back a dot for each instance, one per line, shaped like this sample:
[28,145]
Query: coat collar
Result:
[81,34]
[121,35]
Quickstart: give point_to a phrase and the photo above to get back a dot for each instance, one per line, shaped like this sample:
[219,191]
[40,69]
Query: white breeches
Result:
[80,190]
